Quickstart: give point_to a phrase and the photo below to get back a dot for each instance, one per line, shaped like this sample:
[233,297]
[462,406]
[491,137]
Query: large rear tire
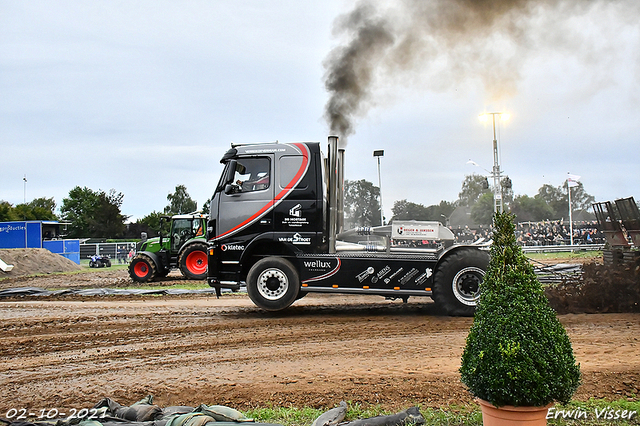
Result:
[273,284]
[193,261]
[142,269]
[456,283]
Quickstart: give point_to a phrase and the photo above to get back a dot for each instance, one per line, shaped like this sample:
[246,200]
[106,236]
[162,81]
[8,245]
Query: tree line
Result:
[97,214]
[362,205]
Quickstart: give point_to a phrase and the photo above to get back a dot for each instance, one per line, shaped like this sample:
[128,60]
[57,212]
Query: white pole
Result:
[380,187]
[570,216]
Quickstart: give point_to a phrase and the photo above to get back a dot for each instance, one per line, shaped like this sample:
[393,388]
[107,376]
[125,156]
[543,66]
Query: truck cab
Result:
[276,225]
[269,201]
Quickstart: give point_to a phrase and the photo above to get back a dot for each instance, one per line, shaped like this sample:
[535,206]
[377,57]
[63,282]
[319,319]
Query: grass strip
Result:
[593,412]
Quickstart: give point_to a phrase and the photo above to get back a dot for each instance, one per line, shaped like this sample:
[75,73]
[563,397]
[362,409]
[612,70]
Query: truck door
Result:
[246,203]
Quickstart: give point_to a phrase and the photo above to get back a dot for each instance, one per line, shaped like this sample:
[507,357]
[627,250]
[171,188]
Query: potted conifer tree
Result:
[518,359]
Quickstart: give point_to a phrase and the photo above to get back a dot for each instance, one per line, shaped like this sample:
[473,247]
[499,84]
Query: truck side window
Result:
[252,174]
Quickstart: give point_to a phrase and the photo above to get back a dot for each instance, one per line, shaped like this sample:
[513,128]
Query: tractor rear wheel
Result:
[456,283]
[193,261]
[142,269]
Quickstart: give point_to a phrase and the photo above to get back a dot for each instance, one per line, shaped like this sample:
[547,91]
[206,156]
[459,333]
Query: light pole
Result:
[497,190]
[380,153]
[25,188]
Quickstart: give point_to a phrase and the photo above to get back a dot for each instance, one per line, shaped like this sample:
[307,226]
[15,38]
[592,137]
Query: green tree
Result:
[558,199]
[93,214]
[474,187]
[107,220]
[6,212]
[406,210]
[152,222]
[482,210]
[579,197]
[206,207]
[532,209]
[361,204]
[38,209]
[180,202]
[517,351]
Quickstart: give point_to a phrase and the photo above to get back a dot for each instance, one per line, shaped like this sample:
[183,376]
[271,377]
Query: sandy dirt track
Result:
[69,353]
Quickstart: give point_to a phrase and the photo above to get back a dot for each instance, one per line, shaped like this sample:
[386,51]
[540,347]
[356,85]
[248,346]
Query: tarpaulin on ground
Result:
[108,412]
[36,291]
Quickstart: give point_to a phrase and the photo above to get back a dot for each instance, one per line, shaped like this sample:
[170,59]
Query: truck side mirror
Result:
[231,171]
[227,177]
[231,189]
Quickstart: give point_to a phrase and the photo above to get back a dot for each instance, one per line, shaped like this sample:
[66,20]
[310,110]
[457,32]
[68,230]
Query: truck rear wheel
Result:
[456,284]
[193,261]
[142,269]
[273,284]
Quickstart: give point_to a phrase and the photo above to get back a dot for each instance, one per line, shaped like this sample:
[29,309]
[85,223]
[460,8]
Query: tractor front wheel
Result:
[193,261]
[142,269]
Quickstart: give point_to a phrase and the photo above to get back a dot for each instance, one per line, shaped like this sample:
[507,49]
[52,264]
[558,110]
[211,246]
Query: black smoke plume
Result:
[440,43]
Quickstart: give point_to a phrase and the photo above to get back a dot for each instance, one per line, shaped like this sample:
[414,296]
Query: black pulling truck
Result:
[276,224]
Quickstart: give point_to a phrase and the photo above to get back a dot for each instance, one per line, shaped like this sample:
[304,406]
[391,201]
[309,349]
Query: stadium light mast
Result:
[495,173]
[380,153]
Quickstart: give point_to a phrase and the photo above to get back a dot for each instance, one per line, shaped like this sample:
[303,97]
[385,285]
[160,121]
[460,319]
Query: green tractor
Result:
[185,248]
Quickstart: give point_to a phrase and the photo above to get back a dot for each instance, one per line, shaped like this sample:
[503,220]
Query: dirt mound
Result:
[600,288]
[34,261]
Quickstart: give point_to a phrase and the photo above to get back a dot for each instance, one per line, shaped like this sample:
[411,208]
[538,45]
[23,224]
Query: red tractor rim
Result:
[196,262]
[140,269]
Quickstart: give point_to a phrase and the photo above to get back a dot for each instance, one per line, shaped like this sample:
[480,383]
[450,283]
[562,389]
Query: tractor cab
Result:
[184,228]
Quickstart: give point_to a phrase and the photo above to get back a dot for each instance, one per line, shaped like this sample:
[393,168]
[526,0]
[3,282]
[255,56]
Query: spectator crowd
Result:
[543,233]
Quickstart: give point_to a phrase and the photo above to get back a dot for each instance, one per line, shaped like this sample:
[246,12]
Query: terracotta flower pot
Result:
[510,415]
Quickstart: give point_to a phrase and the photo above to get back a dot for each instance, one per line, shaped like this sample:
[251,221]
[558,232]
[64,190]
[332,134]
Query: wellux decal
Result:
[312,264]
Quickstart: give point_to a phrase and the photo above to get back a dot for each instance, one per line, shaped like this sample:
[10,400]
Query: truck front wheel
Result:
[142,269]
[456,286]
[273,284]
[193,261]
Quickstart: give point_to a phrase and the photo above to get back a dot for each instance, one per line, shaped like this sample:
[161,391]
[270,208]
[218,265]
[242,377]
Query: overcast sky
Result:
[141,96]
